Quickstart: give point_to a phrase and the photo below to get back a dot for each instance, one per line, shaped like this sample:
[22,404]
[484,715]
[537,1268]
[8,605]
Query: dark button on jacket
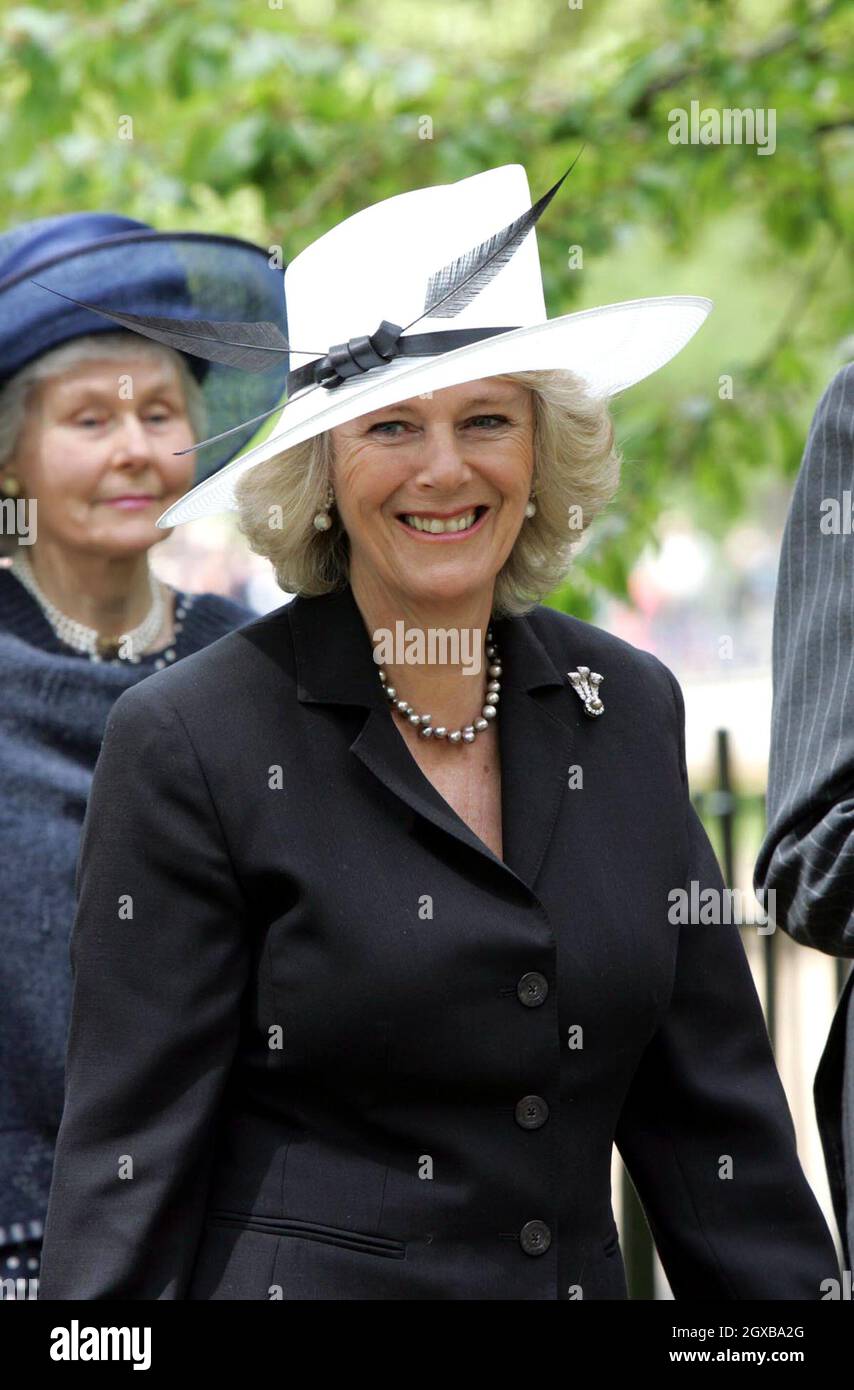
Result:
[535,1237]
[532,1112]
[308,999]
[532,988]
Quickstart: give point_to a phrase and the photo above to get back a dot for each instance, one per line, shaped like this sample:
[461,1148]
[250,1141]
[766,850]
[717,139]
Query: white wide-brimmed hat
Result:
[421,291]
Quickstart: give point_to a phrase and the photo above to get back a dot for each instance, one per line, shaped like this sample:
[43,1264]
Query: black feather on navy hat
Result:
[134,268]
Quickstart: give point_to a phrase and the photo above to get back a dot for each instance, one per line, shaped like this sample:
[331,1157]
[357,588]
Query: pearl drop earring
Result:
[322,519]
[531,506]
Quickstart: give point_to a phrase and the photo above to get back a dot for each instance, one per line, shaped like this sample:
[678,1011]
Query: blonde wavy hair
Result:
[576,474]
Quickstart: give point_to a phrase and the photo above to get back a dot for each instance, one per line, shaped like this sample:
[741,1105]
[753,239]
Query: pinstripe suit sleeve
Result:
[807,855]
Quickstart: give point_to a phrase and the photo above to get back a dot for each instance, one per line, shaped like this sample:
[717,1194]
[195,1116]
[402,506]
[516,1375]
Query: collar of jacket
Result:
[539,720]
[335,662]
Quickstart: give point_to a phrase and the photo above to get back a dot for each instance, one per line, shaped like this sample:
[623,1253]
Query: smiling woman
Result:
[381,1018]
[574,472]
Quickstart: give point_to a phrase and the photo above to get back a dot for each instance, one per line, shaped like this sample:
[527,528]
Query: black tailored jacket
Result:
[325,1044]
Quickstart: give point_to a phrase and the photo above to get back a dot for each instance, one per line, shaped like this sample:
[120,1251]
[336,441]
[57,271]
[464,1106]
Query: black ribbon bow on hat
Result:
[355,356]
[361,354]
[249,345]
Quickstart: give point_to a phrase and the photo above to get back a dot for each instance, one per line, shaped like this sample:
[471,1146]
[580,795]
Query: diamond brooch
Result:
[586,684]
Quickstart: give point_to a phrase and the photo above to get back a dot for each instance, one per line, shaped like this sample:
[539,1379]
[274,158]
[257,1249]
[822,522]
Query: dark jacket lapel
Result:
[538,719]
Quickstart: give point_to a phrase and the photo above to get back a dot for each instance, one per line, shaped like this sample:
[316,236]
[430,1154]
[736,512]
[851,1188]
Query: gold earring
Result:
[322,519]
[10,487]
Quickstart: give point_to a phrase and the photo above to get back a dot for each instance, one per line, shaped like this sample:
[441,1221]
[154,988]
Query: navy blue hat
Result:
[125,265]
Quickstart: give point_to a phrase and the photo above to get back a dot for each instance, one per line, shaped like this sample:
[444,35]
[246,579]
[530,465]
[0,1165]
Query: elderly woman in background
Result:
[91,419]
[403,963]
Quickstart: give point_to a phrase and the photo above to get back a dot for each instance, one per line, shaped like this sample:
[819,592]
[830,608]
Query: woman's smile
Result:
[443,526]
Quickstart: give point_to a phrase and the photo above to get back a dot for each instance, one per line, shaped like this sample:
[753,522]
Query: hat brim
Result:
[610,348]
[195,275]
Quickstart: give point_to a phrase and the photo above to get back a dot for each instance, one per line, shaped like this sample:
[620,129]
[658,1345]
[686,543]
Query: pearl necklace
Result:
[87,639]
[424,722]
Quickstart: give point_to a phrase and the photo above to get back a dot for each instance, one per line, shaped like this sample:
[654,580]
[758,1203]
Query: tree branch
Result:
[776,44]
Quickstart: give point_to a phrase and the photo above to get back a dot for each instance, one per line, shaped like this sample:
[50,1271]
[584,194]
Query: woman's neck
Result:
[448,680]
[111,595]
